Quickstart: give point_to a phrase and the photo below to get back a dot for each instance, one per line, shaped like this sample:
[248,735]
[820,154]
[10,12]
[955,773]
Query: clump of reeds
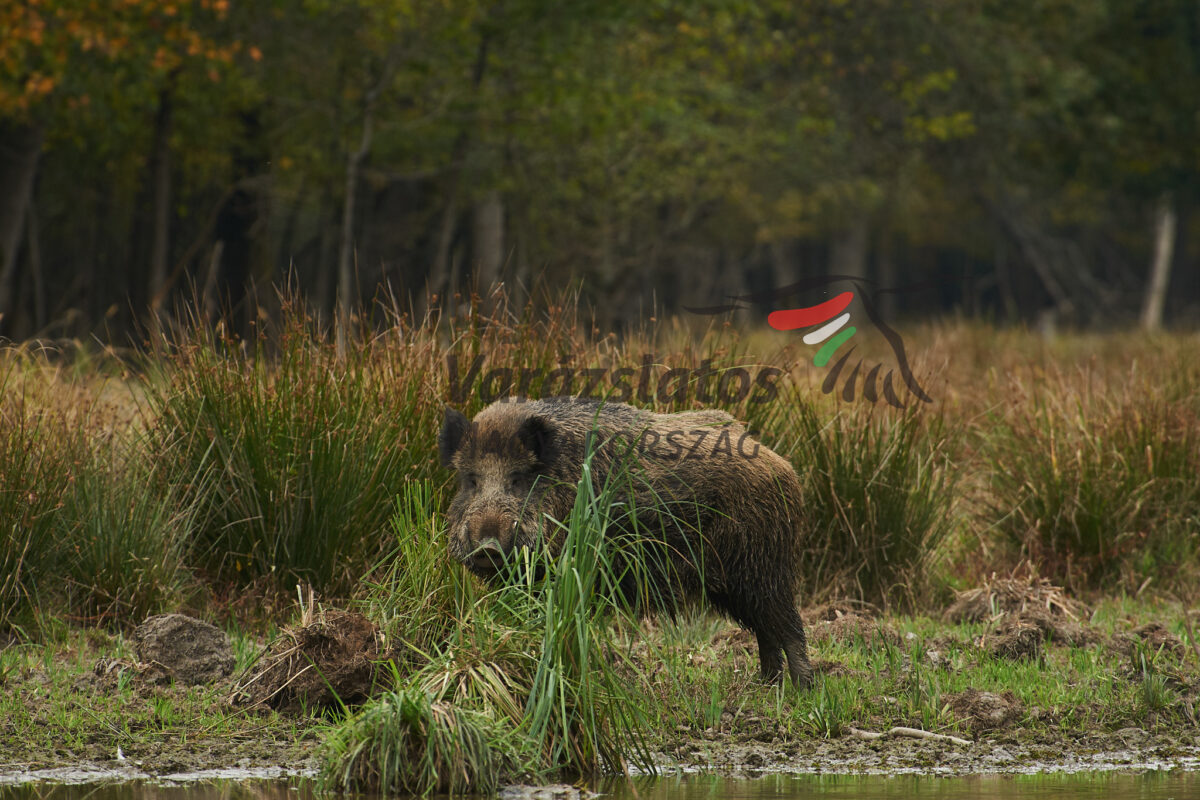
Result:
[404,743]
[35,460]
[292,457]
[537,654]
[878,492]
[86,524]
[123,531]
[1099,491]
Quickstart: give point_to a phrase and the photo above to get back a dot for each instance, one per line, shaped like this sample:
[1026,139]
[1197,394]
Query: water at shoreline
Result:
[275,784]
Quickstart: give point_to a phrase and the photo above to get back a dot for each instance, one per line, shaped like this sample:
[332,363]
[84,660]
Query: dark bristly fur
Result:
[724,507]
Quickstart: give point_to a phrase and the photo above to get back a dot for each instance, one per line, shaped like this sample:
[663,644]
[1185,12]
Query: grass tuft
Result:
[127,530]
[1100,493]
[404,743]
[580,711]
[878,492]
[292,458]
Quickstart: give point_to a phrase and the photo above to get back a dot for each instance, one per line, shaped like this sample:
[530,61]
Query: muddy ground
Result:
[97,702]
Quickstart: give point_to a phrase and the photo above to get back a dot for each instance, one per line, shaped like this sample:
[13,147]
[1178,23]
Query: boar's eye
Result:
[520,481]
[470,480]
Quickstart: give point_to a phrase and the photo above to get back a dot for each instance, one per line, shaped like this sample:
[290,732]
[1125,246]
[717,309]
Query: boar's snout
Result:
[490,539]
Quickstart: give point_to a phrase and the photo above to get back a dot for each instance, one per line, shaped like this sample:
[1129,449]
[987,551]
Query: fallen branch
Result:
[910,733]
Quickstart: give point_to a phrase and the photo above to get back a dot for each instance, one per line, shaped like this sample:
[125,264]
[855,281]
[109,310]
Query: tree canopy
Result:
[1031,156]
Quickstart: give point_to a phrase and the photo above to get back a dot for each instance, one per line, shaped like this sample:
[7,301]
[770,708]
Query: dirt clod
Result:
[178,647]
[1015,639]
[1159,639]
[834,668]
[331,659]
[852,627]
[828,612]
[730,638]
[1014,596]
[1060,629]
[985,711]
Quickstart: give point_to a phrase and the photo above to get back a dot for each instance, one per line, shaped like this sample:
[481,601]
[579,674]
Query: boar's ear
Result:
[537,435]
[454,428]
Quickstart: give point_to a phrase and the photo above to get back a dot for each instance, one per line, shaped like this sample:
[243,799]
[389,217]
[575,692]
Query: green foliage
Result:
[826,715]
[620,137]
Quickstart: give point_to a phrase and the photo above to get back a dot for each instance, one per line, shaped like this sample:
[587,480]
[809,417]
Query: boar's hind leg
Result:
[751,615]
[796,648]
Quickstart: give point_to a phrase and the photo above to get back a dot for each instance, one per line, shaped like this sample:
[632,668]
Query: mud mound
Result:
[333,657]
[1014,596]
[1153,637]
[828,612]
[1016,639]
[1159,639]
[734,639]
[985,711]
[852,627]
[180,648]
[1062,630]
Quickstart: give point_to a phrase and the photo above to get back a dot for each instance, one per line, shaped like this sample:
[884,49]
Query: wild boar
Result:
[725,507]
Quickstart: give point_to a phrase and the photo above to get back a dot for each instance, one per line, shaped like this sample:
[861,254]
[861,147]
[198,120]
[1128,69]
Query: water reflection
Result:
[1150,785]
[196,790]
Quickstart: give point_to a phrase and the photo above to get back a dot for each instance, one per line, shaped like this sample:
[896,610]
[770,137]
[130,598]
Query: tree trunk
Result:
[346,250]
[20,146]
[848,256]
[440,278]
[210,297]
[1160,268]
[487,241]
[35,270]
[886,267]
[161,181]
[327,239]
[346,298]
[439,274]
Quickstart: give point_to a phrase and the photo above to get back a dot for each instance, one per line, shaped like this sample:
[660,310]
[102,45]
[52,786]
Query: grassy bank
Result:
[218,475]
[77,697]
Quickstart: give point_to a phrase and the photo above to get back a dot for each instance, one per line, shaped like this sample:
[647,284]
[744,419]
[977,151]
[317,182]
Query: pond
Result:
[1146,785]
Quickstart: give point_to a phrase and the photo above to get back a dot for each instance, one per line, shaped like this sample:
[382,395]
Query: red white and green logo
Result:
[829,327]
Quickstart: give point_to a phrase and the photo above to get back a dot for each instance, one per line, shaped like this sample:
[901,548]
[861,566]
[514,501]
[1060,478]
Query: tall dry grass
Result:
[278,459]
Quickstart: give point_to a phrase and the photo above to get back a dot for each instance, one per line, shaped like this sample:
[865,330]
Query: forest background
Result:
[1036,160]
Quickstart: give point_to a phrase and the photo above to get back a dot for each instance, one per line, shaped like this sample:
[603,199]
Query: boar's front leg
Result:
[769,659]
